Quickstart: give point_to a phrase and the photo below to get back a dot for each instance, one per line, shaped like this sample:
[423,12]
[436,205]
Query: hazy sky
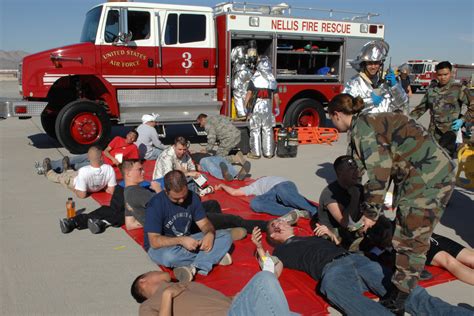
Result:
[430,29]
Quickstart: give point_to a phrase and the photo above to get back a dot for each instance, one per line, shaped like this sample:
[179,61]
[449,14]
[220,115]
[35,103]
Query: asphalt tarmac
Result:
[44,272]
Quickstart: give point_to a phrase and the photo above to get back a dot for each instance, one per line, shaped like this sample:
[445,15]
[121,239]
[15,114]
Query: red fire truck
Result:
[136,58]
[423,72]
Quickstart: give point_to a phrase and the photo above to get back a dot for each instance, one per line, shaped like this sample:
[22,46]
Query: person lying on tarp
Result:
[219,167]
[345,276]
[158,295]
[275,195]
[89,179]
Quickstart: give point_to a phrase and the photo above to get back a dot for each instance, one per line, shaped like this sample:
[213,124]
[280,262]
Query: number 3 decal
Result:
[187,63]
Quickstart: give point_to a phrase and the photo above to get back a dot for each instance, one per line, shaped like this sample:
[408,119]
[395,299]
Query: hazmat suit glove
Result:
[376,99]
[277,111]
[390,78]
[457,124]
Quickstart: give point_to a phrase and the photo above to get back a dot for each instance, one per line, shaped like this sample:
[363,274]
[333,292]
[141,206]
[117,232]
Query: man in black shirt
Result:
[344,276]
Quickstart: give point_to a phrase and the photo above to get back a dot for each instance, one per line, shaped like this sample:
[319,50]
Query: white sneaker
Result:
[184,274]
[206,191]
[303,214]
[226,260]
[291,217]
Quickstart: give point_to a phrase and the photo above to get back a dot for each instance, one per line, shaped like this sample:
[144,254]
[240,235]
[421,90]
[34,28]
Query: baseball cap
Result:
[150,117]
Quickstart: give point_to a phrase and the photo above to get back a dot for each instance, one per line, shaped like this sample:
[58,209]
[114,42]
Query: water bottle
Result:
[70,208]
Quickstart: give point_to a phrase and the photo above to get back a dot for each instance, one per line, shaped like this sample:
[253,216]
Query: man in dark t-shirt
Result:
[344,276]
[168,238]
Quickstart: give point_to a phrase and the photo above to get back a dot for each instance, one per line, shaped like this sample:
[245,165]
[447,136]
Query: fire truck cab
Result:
[137,58]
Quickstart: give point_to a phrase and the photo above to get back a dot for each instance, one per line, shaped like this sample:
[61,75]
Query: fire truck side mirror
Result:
[123,39]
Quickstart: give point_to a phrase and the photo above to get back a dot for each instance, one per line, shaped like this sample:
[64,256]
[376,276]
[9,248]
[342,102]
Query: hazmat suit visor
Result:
[371,51]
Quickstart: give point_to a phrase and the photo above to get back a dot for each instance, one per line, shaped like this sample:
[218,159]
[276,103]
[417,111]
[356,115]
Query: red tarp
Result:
[299,288]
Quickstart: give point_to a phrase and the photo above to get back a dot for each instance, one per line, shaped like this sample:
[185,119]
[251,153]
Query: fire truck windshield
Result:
[417,68]
[89,30]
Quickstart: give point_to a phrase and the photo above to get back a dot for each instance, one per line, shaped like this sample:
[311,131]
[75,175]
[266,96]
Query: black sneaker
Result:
[244,171]
[96,226]
[395,301]
[46,165]
[66,163]
[225,172]
[67,225]
[425,275]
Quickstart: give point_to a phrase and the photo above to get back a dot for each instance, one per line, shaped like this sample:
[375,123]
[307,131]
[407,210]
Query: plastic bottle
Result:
[70,208]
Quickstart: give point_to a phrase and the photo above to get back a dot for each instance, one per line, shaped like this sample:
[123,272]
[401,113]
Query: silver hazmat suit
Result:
[394,98]
[241,75]
[262,119]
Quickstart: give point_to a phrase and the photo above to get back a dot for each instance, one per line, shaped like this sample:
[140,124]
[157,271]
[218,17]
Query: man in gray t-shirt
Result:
[273,195]
[136,199]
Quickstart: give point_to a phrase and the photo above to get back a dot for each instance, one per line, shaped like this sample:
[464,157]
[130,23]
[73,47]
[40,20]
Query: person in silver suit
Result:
[261,94]
[241,74]
[379,94]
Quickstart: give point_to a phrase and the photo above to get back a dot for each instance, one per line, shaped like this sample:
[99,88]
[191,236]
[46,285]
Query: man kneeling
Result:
[168,240]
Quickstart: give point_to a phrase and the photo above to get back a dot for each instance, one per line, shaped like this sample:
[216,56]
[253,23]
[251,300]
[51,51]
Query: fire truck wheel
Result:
[305,113]
[48,120]
[82,124]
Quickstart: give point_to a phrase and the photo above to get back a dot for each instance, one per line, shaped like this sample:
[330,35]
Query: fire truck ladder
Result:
[285,9]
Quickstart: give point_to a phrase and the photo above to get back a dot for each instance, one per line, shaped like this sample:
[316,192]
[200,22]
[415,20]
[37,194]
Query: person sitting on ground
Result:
[276,196]
[148,143]
[345,276]
[220,168]
[137,198]
[262,295]
[339,202]
[168,239]
[117,150]
[220,129]
[98,220]
[175,157]
[89,179]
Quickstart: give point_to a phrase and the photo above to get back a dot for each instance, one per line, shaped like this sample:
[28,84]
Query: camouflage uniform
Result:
[392,147]
[220,128]
[445,105]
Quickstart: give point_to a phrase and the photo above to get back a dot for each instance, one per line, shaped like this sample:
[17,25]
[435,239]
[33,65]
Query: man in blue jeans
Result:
[261,296]
[168,240]
[275,195]
[219,167]
[344,276]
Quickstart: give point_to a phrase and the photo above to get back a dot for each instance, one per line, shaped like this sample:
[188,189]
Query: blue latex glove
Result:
[457,124]
[390,78]
[376,99]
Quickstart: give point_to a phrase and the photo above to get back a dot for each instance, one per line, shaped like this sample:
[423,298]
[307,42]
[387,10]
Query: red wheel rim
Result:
[308,118]
[86,128]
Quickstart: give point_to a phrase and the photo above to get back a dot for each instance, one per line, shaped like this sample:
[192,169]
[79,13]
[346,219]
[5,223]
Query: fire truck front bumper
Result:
[21,108]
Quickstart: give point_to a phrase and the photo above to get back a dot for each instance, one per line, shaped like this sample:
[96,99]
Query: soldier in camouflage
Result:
[450,106]
[392,147]
[219,128]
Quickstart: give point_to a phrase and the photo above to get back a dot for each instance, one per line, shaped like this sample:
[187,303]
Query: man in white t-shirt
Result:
[148,143]
[89,179]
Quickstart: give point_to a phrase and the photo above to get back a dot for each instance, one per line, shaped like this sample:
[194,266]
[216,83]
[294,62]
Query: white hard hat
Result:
[150,117]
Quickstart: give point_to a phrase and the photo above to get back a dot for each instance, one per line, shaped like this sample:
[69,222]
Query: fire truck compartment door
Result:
[173,105]
[188,50]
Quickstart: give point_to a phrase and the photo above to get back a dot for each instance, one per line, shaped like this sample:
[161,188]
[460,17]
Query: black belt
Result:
[344,254]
